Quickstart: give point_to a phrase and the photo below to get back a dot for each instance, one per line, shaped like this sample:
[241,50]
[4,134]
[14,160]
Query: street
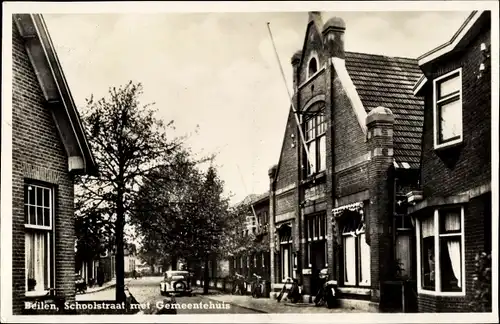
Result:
[146,291]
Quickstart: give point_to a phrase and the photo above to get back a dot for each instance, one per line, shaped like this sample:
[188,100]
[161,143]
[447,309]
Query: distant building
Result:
[130,260]
[48,148]
[255,260]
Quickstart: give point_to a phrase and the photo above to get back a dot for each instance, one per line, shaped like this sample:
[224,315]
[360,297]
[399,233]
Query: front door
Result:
[318,263]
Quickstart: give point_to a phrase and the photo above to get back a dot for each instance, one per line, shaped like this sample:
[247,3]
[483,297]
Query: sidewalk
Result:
[267,305]
[90,294]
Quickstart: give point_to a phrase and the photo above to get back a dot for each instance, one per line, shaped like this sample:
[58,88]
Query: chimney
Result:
[295,65]
[380,144]
[333,36]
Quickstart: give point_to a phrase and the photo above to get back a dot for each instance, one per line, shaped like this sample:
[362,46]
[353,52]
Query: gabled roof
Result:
[314,19]
[388,82]
[53,83]
[459,40]
[454,42]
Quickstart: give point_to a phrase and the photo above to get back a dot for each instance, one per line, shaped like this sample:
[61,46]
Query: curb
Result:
[102,288]
[234,304]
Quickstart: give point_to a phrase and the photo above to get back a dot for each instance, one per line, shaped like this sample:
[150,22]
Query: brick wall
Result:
[477,223]
[314,45]
[455,170]
[451,171]
[38,154]
[349,137]
[381,179]
[352,180]
[287,169]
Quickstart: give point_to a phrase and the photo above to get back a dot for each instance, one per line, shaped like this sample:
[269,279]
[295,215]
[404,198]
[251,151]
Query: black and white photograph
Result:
[294,162]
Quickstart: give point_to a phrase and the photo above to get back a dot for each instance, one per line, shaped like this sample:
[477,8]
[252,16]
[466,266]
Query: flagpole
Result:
[289,96]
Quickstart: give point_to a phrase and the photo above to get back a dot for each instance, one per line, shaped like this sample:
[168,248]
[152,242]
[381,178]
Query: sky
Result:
[216,74]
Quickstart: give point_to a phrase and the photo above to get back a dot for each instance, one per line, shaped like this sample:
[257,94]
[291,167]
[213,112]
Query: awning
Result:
[355,207]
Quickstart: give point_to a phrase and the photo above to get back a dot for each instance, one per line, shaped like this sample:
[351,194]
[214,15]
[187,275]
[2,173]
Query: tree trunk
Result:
[206,277]
[120,262]
[173,262]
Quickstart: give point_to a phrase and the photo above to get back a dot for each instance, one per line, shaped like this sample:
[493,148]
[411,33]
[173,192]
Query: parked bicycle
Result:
[290,290]
[327,293]
[258,289]
[239,285]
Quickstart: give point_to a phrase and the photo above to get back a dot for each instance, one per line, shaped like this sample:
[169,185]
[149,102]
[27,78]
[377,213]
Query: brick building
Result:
[257,259]
[48,148]
[338,209]
[453,220]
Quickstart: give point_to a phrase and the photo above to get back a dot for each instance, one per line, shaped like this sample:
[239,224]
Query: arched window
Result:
[315,136]
[313,66]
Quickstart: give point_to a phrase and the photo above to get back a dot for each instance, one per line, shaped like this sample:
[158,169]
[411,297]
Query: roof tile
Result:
[388,82]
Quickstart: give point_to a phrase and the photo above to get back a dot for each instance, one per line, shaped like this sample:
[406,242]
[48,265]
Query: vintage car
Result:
[176,283]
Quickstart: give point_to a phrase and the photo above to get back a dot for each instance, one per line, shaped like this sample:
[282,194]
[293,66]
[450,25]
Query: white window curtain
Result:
[451,120]
[36,260]
[365,260]
[286,263]
[452,221]
[322,153]
[454,251]
[428,227]
[350,260]
[312,157]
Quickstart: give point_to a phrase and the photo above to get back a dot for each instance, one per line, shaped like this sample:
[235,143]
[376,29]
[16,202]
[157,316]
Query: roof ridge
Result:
[382,55]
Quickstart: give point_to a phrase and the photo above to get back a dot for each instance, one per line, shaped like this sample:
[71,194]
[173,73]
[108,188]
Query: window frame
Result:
[317,224]
[437,102]
[47,231]
[315,127]
[437,255]
[357,237]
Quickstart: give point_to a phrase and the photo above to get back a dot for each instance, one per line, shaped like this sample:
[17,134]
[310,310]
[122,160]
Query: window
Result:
[448,109]
[356,256]
[316,244]
[38,213]
[263,260]
[440,252]
[315,136]
[313,67]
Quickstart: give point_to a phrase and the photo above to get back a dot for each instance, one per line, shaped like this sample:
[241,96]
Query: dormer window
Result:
[313,67]
[448,109]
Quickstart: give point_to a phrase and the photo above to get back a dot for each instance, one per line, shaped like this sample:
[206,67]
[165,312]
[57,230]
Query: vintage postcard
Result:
[261,162]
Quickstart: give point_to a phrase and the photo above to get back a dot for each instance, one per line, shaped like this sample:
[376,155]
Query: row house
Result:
[255,260]
[338,205]
[48,148]
[452,210]
[381,186]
